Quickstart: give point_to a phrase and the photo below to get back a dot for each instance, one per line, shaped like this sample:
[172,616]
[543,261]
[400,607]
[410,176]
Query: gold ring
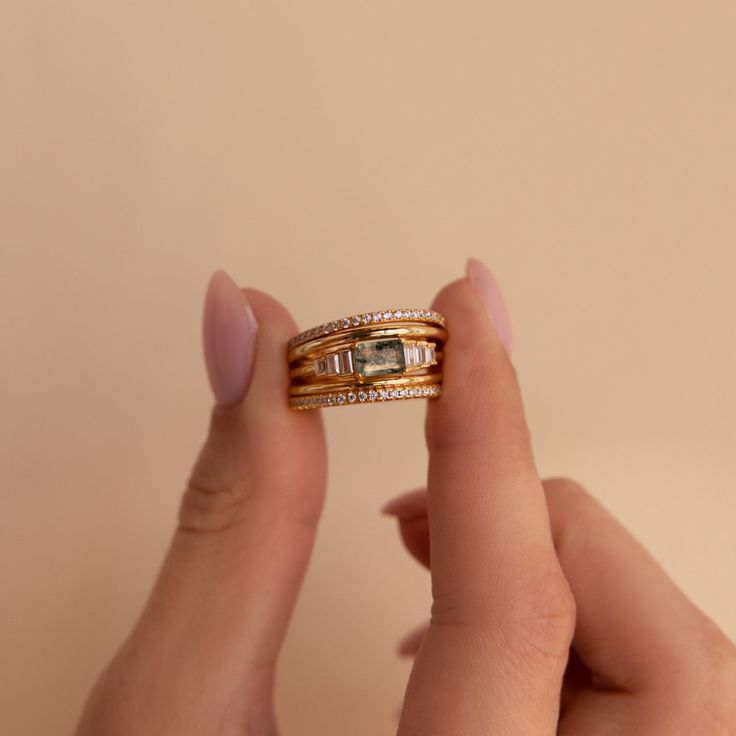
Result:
[376,356]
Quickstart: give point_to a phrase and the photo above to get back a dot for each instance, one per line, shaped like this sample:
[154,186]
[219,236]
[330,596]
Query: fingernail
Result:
[487,289]
[229,336]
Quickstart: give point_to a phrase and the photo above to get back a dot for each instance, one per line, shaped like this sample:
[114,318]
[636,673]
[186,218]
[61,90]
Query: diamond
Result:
[403,392]
[341,398]
[351,397]
[346,323]
[398,314]
[345,361]
[355,321]
[372,394]
[382,393]
[387,315]
[411,354]
[366,318]
[362,396]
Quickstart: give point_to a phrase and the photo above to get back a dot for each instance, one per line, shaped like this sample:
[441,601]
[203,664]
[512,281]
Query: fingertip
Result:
[409,504]
[487,289]
[229,330]
[269,307]
[409,644]
[270,383]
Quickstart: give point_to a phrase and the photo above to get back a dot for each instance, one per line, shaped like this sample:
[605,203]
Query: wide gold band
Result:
[363,358]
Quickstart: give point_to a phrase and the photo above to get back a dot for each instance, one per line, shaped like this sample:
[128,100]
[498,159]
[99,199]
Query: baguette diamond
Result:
[334,364]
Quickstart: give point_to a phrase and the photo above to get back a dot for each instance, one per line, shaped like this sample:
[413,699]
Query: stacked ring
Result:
[376,356]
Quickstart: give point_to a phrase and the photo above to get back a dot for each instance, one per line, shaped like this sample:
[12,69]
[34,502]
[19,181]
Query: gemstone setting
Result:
[334,364]
[379,357]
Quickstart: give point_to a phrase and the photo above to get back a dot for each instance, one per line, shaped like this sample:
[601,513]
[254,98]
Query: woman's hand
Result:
[201,659]
[523,568]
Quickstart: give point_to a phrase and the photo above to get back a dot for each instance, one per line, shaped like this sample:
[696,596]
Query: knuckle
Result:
[534,619]
[542,615]
[212,500]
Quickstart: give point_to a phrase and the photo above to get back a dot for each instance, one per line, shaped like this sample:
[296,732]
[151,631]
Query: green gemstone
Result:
[379,357]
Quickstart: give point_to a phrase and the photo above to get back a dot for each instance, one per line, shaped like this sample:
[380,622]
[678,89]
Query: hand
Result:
[523,568]
[201,659]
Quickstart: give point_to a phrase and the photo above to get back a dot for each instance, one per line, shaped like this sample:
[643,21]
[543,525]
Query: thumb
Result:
[204,648]
[502,613]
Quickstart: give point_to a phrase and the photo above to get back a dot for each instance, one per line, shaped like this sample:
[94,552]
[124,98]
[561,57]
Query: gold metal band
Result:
[377,356]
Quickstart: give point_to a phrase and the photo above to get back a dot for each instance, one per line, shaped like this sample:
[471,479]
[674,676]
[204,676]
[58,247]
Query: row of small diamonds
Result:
[356,320]
[336,398]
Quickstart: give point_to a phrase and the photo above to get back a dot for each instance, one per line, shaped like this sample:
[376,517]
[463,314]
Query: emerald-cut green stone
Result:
[379,357]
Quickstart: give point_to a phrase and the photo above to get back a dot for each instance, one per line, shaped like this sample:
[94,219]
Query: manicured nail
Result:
[487,289]
[229,336]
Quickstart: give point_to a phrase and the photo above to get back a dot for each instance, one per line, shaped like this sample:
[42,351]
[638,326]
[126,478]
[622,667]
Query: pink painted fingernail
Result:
[487,289]
[229,337]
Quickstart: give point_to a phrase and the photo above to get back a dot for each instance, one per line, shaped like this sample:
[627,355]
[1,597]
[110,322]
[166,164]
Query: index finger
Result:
[490,534]
[502,613]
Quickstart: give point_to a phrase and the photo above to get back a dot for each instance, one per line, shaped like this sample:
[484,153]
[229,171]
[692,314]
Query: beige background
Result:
[348,156]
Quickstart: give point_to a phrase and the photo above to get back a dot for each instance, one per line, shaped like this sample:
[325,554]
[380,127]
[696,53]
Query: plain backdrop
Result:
[348,156]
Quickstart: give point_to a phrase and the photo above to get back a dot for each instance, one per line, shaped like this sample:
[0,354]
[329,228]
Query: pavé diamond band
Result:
[363,358]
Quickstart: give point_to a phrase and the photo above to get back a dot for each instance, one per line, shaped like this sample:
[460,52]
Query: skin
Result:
[547,616]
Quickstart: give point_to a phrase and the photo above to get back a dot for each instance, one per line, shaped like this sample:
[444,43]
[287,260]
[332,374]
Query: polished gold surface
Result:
[377,356]
[382,316]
